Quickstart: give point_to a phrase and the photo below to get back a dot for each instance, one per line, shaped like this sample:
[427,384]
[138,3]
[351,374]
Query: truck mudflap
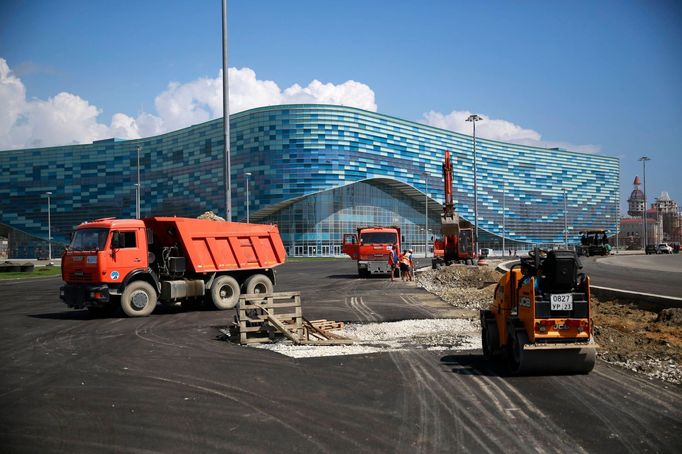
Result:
[80,296]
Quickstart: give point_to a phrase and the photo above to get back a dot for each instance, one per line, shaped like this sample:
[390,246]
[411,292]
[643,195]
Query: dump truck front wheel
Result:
[138,299]
[225,292]
[258,283]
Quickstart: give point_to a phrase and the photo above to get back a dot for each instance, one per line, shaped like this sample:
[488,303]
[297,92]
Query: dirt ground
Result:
[645,341]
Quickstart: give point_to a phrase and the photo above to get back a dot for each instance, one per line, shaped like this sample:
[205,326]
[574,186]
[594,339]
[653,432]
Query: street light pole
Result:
[226,122]
[247,175]
[138,188]
[644,159]
[49,228]
[565,218]
[617,221]
[504,215]
[426,216]
[474,118]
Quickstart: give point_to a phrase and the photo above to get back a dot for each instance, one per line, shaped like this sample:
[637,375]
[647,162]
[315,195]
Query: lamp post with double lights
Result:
[644,159]
[247,175]
[473,119]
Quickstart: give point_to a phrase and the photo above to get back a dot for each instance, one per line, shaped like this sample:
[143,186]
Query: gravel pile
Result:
[662,369]
[434,334]
[469,287]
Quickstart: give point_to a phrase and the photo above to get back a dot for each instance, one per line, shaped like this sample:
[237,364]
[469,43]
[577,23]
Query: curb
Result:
[650,301]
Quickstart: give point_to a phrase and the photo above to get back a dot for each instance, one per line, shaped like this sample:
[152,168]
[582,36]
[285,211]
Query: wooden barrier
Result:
[262,316]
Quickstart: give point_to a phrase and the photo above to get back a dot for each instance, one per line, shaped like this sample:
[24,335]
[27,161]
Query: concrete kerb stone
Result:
[644,301]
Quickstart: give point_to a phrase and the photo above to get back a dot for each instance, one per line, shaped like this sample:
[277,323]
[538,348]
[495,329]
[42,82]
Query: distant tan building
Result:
[669,213]
[631,231]
[664,220]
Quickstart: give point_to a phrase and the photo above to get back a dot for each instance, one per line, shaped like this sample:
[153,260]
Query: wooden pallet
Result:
[326,324]
[262,316]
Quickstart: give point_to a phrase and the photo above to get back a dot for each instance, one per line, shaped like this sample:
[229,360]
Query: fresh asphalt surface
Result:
[659,274]
[72,383]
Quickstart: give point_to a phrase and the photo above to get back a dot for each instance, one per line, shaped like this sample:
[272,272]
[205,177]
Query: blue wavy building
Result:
[318,171]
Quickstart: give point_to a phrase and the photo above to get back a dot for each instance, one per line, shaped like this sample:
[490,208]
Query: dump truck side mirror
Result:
[115,240]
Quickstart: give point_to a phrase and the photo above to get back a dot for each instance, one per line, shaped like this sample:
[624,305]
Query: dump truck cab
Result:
[102,256]
[371,247]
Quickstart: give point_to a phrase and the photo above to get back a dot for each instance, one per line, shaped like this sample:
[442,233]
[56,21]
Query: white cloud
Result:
[67,118]
[501,130]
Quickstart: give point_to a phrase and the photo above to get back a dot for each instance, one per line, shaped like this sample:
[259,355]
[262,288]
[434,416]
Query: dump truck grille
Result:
[80,276]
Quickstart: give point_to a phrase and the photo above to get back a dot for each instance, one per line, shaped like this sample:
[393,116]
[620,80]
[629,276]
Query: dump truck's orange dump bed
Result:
[211,246]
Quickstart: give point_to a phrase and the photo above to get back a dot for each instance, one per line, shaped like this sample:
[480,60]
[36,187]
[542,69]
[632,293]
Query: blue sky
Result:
[598,76]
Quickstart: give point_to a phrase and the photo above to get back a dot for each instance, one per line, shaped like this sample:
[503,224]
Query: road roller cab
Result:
[540,318]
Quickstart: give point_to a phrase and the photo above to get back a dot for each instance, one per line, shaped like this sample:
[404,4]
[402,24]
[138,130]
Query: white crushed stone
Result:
[431,334]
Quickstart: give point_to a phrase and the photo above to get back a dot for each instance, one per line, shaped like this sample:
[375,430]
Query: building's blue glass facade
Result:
[297,155]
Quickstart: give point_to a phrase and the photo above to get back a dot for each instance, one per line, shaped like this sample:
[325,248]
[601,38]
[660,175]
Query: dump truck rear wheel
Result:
[225,292]
[138,299]
[258,283]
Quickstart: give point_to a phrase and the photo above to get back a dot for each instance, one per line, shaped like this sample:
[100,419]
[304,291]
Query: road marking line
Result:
[673,298]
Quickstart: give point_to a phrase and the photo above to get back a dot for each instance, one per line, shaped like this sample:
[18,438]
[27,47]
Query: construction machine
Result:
[540,319]
[457,242]
[594,242]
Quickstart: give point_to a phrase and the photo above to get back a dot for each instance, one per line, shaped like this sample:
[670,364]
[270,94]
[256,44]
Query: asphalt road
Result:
[71,383]
[657,274]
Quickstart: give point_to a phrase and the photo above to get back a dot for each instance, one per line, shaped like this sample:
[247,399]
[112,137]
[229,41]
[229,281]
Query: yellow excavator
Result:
[540,319]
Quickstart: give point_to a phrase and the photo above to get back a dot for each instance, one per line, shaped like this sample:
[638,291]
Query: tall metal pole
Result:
[474,118]
[475,193]
[426,216]
[139,188]
[617,221]
[49,228]
[565,218]
[226,122]
[644,159]
[247,175]
[504,214]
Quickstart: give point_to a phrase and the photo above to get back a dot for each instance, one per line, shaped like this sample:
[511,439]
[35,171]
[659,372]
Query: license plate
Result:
[561,302]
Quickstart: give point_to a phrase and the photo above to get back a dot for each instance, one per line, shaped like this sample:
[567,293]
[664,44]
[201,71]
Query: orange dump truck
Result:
[136,262]
[371,248]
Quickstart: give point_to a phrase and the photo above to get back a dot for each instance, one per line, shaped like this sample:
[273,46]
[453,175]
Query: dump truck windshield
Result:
[89,239]
[378,238]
